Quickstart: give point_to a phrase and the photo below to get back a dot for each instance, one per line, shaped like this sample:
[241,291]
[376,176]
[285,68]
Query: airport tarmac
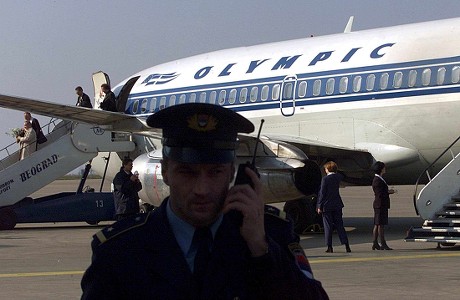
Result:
[47,261]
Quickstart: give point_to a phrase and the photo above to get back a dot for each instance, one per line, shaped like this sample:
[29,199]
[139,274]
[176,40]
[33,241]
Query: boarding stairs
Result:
[68,146]
[438,203]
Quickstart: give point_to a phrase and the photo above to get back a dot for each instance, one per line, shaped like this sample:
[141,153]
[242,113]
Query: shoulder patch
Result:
[275,212]
[119,227]
[301,259]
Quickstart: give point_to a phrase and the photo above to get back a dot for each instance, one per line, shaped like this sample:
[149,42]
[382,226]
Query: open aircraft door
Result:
[287,95]
[99,78]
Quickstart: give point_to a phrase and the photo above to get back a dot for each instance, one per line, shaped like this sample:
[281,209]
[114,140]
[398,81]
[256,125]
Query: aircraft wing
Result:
[110,120]
[354,163]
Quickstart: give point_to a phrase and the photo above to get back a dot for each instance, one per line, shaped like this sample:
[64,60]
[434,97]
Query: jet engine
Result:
[285,171]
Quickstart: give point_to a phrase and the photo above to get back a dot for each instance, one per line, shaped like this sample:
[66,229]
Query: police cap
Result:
[200,132]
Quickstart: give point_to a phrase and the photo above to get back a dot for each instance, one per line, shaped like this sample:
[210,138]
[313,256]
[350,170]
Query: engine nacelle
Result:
[286,175]
[154,190]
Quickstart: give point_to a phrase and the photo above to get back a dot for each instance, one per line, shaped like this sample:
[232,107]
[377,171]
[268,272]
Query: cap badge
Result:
[202,122]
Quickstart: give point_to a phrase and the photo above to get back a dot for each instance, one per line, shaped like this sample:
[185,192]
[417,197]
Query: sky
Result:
[47,48]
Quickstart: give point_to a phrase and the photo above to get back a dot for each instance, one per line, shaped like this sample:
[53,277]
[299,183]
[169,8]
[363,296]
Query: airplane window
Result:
[343,85]
[412,78]
[172,100]
[153,104]
[192,98]
[264,93]
[287,90]
[384,81]
[222,96]
[397,80]
[330,86]
[426,77]
[212,97]
[135,106]
[455,74]
[317,87]
[441,75]
[370,82]
[302,89]
[357,84]
[276,92]
[254,93]
[182,98]
[232,96]
[203,97]
[243,95]
[144,105]
[162,102]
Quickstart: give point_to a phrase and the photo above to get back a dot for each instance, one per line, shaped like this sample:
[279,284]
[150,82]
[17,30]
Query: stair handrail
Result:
[425,172]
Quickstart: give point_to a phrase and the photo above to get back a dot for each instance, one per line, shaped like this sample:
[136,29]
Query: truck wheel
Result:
[7,219]
[301,213]
[145,208]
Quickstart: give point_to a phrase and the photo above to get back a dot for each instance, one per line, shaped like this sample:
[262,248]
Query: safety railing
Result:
[426,171]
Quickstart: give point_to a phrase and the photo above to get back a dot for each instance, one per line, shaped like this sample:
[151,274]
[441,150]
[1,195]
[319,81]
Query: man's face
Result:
[197,191]
[128,167]
[79,92]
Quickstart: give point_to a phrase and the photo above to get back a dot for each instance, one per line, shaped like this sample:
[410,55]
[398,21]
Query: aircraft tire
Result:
[302,214]
[7,219]
[92,222]
[145,208]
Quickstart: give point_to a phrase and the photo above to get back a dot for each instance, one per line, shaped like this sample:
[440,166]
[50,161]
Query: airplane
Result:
[387,94]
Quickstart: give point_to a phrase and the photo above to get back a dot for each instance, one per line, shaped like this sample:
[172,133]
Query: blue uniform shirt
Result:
[183,232]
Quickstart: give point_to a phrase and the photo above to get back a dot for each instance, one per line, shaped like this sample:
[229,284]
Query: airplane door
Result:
[122,97]
[287,95]
[99,78]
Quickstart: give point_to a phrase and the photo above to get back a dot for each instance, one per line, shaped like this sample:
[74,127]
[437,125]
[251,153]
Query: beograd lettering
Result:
[39,167]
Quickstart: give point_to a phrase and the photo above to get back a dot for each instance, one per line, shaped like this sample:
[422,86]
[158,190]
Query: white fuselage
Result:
[392,92]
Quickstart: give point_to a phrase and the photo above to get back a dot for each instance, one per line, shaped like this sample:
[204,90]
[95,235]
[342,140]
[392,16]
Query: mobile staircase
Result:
[68,146]
[438,203]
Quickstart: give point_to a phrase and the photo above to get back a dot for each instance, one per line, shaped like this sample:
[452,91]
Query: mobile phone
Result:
[243,178]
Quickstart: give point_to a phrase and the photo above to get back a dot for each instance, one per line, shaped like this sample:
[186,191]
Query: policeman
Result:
[206,240]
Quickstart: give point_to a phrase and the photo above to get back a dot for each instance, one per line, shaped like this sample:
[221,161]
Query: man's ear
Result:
[164,173]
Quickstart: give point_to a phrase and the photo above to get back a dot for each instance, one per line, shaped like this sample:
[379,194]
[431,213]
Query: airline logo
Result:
[157,78]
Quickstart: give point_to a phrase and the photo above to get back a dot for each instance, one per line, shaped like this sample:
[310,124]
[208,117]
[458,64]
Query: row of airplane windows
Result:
[320,87]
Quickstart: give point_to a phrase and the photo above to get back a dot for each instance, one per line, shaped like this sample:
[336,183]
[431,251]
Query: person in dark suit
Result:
[41,138]
[330,205]
[110,101]
[83,100]
[126,185]
[207,240]
[381,205]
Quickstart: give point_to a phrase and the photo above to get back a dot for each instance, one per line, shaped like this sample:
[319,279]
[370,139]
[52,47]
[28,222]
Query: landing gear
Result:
[145,208]
[304,216]
[7,218]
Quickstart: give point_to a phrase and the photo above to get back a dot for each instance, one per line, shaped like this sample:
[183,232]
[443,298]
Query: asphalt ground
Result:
[47,261]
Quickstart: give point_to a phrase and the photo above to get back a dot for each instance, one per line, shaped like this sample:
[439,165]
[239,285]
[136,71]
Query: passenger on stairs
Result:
[26,142]
[41,138]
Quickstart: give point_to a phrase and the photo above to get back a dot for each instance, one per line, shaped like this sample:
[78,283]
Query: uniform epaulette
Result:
[120,227]
[275,212]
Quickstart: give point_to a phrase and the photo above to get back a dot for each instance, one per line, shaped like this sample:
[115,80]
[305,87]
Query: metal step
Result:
[448,213]
[455,198]
[443,222]
[437,229]
[448,240]
[452,206]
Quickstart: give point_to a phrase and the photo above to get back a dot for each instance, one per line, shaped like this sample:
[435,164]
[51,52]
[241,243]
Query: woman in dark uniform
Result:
[381,206]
